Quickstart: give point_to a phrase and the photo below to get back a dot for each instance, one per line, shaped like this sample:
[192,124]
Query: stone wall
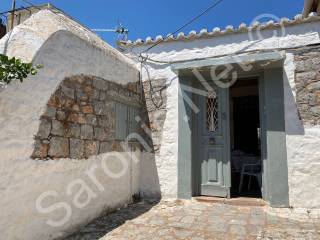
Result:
[307,80]
[80,118]
[156,101]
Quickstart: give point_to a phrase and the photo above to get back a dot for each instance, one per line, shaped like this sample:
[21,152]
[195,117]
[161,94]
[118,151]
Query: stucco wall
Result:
[302,139]
[82,189]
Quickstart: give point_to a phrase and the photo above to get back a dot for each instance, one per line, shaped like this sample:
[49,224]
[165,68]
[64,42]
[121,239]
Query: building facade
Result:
[224,113]
[209,81]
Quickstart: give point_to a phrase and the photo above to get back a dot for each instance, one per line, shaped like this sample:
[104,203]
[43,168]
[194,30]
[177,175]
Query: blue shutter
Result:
[121,121]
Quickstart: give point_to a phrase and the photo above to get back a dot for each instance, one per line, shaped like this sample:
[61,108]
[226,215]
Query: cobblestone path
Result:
[179,219]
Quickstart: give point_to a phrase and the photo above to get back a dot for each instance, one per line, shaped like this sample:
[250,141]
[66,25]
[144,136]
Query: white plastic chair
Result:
[251,170]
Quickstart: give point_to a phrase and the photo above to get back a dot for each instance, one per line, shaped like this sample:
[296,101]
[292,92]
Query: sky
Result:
[146,18]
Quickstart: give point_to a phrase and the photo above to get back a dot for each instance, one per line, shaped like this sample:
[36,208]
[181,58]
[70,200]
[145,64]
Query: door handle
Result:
[212,140]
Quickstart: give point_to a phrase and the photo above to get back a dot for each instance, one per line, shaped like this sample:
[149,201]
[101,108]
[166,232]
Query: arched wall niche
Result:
[80,118]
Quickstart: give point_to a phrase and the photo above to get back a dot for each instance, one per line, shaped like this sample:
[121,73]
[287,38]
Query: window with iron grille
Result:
[212,112]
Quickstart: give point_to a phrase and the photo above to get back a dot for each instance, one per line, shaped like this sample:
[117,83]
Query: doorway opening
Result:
[245,135]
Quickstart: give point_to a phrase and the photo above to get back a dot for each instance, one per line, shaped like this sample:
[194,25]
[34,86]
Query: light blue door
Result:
[212,156]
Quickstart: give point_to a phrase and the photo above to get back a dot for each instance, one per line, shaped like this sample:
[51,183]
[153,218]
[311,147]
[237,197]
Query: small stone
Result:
[217,227]
[67,103]
[81,95]
[307,65]
[102,96]
[88,90]
[315,110]
[86,132]
[59,147]
[61,115]
[76,107]
[57,128]
[257,220]
[132,87]
[105,147]
[44,128]
[87,109]
[50,112]
[237,230]
[313,86]
[95,95]
[40,150]
[188,219]
[100,134]
[73,131]
[77,118]
[116,146]
[76,79]
[77,148]
[91,148]
[87,80]
[106,122]
[101,108]
[91,119]
[69,92]
[182,234]
[305,77]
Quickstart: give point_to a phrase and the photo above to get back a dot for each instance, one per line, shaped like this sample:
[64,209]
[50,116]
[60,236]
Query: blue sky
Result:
[151,18]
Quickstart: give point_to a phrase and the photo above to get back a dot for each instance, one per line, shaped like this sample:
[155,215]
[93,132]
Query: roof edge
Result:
[205,34]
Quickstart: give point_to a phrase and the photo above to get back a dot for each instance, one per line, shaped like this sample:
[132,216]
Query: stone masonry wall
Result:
[156,101]
[80,118]
[307,80]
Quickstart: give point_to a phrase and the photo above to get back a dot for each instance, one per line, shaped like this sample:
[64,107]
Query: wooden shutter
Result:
[121,121]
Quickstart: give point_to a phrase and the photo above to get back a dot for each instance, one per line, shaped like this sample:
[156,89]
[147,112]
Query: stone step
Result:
[239,201]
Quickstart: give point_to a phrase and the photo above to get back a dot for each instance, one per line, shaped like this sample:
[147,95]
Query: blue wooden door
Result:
[212,155]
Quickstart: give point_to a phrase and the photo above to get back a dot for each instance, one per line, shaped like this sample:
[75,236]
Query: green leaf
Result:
[15,69]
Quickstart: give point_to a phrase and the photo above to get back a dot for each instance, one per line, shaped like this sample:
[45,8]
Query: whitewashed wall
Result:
[302,149]
[64,48]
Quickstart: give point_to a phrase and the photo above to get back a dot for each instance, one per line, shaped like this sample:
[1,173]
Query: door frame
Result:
[273,141]
[195,179]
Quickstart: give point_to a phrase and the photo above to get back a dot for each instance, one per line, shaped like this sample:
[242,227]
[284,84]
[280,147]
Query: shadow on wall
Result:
[294,124]
[153,115]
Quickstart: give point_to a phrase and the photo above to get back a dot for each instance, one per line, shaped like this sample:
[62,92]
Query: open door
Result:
[211,142]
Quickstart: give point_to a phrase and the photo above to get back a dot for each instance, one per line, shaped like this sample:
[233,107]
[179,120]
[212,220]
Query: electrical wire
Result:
[143,59]
[216,3]
[31,4]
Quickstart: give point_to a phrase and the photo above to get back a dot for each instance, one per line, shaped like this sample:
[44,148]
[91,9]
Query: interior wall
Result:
[245,90]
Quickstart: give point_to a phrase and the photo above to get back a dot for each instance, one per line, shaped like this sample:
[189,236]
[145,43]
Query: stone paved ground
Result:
[177,219]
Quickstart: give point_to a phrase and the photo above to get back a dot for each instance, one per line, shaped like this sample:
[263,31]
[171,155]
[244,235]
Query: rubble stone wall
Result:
[80,118]
[156,101]
[307,79]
